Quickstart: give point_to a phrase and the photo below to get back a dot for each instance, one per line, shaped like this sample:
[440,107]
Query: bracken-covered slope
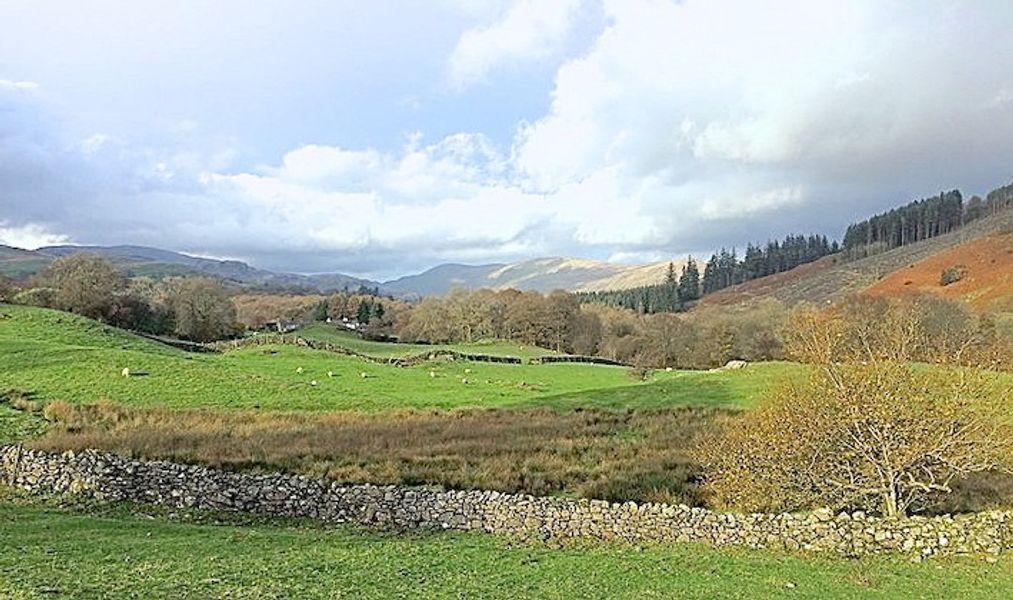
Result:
[986,284]
[833,277]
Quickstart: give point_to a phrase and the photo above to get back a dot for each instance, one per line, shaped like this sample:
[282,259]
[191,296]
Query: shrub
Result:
[877,436]
[952,274]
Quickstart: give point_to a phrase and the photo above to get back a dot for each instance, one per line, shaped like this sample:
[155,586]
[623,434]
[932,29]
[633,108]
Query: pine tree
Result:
[689,282]
[363,313]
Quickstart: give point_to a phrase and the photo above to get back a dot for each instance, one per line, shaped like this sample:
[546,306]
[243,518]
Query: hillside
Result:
[833,277]
[540,274]
[142,261]
[18,263]
[57,355]
[987,284]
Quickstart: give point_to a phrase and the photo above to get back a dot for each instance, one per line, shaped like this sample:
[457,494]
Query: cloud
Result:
[735,113]
[30,236]
[23,86]
[529,30]
[682,128]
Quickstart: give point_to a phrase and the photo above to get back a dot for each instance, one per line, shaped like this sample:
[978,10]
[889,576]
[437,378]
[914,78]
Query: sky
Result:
[381,138]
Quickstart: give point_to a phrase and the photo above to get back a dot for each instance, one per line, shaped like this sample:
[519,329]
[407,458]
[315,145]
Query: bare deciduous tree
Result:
[84,284]
[203,310]
[879,435]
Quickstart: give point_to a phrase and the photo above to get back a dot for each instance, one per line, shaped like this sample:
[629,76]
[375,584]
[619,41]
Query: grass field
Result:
[346,339]
[58,356]
[51,550]
[586,430]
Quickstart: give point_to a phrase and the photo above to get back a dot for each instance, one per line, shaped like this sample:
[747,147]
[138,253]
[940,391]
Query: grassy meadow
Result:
[57,356]
[563,429]
[71,549]
[347,339]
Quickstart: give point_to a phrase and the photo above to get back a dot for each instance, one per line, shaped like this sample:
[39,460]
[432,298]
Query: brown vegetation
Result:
[615,455]
[868,431]
[979,272]
[255,310]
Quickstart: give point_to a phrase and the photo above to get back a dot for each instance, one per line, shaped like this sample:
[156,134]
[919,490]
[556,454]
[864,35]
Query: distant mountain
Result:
[18,263]
[155,262]
[540,274]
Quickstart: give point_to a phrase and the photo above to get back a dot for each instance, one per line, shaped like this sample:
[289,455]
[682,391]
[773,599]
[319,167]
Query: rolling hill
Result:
[540,274]
[136,261]
[987,283]
[833,277]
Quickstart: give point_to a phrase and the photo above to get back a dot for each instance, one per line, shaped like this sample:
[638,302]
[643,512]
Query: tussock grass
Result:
[613,455]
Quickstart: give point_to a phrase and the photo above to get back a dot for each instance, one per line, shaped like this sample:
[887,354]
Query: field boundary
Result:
[106,476]
[407,360]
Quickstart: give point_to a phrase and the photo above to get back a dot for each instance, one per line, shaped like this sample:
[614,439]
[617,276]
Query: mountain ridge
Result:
[543,274]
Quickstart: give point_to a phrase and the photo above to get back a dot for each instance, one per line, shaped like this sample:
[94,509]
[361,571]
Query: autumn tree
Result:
[867,430]
[203,310]
[84,284]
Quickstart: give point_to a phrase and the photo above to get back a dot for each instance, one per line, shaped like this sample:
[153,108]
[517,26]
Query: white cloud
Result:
[528,30]
[21,86]
[685,126]
[29,236]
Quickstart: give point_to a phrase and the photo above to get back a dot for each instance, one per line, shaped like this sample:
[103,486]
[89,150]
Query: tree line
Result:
[192,308]
[725,268]
[913,222]
[674,295]
[922,219]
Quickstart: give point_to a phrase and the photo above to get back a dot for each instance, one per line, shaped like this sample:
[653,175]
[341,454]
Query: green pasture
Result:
[54,549]
[58,356]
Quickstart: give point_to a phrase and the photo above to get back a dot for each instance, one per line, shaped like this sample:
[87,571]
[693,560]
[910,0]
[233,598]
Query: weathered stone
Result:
[111,477]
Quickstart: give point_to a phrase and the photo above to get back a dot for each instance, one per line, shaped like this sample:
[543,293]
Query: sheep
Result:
[299,370]
[330,373]
[364,375]
[668,369]
[432,374]
[464,381]
[467,371]
[313,383]
[125,372]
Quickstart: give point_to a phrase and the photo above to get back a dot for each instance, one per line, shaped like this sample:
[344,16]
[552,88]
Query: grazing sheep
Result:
[432,374]
[464,381]
[330,373]
[668,369]
[467,371]
[313,383]
[363,375]
[125,372]
[298,370]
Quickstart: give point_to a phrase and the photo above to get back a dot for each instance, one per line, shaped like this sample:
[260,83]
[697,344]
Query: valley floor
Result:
[594,421]
[67,549]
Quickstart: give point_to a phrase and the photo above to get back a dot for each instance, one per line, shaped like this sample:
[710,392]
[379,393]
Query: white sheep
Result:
[313,383]
[330,373]
[432,374]
[668,369]
[299,370]
[363,375]
[467,371]
[464,381]
[125,372]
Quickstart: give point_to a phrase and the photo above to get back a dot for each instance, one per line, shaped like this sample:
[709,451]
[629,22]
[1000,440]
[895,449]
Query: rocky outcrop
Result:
[112,477]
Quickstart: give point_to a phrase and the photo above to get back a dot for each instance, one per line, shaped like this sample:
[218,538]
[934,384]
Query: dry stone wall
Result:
[112,477]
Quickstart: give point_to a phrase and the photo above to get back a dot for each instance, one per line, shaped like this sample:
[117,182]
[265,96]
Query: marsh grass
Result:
[613,455]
